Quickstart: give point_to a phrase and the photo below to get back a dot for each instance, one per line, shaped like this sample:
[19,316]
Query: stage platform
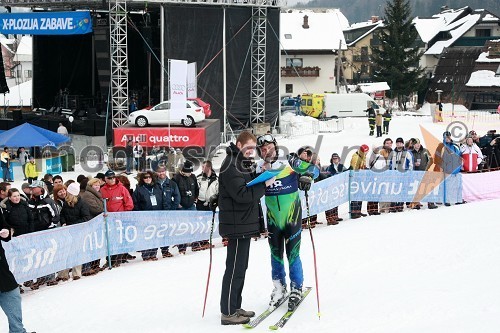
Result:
[194,141]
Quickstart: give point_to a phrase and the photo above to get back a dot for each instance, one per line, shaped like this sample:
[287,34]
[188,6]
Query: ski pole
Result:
[314,253]
[210,265]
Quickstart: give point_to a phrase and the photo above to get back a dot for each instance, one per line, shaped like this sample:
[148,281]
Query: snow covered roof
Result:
[372,87]
[369,25]
[25,49]
[483,79]
[456,29]
[324,32]
[429,27]
[483,57]
[19,95]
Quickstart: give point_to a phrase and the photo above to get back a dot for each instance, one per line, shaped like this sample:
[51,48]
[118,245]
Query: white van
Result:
[349,105]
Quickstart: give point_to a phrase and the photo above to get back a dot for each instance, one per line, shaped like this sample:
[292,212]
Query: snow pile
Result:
[483,79]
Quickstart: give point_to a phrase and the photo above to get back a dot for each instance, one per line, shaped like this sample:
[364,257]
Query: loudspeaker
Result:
[17,115]
[99,127]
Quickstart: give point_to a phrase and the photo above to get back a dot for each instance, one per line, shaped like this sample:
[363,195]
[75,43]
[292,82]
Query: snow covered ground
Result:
[416,271]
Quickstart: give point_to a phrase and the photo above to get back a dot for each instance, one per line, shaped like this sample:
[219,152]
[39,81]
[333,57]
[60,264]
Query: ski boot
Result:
[278,294]
[294,298]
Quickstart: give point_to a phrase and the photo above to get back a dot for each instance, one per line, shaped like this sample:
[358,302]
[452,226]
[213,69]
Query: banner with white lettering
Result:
[177,84]
[409,186]
[192,81]
[42,253]
[326,194]
[46,23]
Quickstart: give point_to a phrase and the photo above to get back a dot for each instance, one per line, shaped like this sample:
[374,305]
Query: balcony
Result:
[361,58]
[300,71]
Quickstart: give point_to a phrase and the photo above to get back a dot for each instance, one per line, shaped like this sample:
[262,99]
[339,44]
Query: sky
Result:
[416,271]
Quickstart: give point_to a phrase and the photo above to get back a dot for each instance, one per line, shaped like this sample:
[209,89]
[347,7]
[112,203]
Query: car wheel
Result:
[188,122]
[141,121]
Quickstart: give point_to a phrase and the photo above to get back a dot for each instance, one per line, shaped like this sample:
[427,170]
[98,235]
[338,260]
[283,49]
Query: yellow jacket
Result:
[358,161]
[30,169]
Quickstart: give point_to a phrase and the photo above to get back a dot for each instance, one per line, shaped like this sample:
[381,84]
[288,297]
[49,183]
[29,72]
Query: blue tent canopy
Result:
[27,135]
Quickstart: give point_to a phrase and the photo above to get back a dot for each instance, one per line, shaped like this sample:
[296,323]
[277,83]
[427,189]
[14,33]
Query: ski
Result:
[286,317]
[257,320]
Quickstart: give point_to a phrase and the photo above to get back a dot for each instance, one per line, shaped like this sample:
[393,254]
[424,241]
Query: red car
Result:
[205,106]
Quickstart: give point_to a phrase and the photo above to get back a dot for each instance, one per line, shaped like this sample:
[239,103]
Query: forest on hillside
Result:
[362,10]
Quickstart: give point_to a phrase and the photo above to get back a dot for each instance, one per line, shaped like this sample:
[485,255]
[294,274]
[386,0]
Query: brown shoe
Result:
[167,255]
[52,283]
[76,278]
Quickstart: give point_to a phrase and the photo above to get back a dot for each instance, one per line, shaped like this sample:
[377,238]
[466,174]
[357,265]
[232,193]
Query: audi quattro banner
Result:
[46,23]
[160,136]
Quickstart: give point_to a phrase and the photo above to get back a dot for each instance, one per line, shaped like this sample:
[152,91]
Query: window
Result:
[28,73]
[295,62]
[483,32]
[289,88]
[19,73]
[288,36]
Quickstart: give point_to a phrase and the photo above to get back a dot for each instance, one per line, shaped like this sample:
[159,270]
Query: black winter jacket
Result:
[77,214]
[19,217]
[142,198]
[45,212]
[239,215]
[7,280]
[188,187]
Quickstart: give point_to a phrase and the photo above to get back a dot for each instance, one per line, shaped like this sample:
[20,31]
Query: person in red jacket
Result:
[118,199]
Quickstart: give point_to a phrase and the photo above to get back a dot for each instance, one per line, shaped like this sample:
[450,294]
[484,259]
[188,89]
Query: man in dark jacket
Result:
[46,215]
[332,215]
[189,190]
[239,221]
[10,296]
[171,195]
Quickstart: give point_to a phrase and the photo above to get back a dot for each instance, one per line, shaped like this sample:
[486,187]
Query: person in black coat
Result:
[335,167]
[74,211]
[239,221]
[10,296]
[149,196]
[18,215]
[189,190]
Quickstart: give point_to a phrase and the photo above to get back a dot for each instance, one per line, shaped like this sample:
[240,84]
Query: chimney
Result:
[375,19]
[306,22]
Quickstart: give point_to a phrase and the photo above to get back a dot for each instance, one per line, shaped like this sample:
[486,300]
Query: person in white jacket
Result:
[470,147]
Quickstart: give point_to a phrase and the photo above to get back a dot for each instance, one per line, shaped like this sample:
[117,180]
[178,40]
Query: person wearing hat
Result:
[422,161]
[387,119]
[74,211]
[170,191]
[101,178]
[189,190]
[335,167]
[471,149]
[46,215]
[358,162]
[284,215]
[371,119]
[30,170]
[402,161]
[447,157]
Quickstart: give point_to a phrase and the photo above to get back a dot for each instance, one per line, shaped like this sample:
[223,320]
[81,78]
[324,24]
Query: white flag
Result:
[177,83]
[192,81]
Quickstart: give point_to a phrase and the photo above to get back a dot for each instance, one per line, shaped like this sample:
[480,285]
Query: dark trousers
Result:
[379,131]
[386,127]
[234,277]
[372,207]
[356,207]
[31,179]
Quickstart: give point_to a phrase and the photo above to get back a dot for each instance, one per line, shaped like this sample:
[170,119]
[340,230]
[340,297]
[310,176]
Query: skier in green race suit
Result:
[284,215]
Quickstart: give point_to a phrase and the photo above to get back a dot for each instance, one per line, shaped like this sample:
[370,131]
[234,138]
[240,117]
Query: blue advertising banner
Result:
[46,23]
[410,186]
[54,165]
[45,252]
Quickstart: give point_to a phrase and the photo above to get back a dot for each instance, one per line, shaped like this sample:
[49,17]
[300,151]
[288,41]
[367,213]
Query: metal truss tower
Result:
[119,63]
[258,65]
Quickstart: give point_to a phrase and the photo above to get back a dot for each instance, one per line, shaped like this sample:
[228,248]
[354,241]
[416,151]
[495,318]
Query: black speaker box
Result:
[89,127]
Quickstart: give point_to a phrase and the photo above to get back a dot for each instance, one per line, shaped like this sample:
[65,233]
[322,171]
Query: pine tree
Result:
[396,60]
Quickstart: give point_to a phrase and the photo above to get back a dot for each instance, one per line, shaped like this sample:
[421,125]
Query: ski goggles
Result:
[264,139]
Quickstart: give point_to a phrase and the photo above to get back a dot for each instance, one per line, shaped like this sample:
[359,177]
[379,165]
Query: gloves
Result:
[305,182]
[213,202]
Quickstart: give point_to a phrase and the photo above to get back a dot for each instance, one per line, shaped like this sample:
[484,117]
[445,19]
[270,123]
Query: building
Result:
[360,38]
[310,40]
